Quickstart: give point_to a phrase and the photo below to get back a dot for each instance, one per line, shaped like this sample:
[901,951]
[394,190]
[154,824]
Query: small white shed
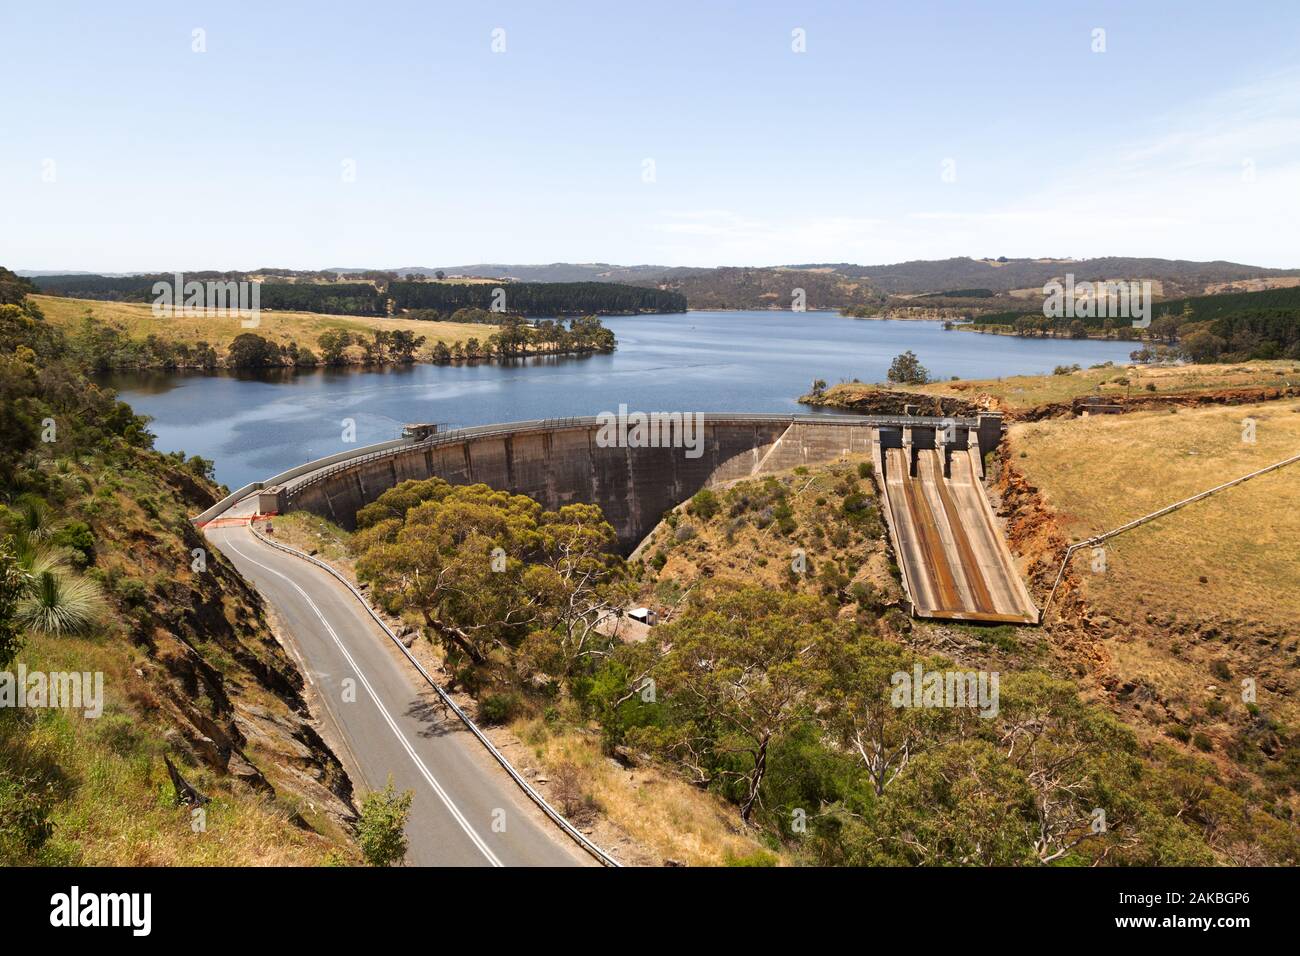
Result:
[644,615]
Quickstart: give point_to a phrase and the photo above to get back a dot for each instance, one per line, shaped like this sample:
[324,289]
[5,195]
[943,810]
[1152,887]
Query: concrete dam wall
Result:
[562,462]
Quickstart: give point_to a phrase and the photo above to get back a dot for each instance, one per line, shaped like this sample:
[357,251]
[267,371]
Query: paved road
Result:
[394,725]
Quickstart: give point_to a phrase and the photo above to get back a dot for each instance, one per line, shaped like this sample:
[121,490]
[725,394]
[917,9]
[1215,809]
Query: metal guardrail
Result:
[601,856]
[306,468]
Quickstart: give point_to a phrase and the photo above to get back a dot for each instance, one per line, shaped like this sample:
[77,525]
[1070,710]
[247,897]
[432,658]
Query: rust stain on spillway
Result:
[955,562]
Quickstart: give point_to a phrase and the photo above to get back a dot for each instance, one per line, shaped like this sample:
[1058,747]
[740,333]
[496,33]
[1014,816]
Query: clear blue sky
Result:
[1182,139]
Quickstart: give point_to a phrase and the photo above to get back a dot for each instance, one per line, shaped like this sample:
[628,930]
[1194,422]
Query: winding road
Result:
[386,721]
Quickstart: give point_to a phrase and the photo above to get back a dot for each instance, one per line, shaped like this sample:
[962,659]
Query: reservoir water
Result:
[256,424]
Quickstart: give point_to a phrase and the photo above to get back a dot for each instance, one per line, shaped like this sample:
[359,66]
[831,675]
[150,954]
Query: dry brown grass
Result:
[315,535]
[1022,392]
[137,320]
[737,547]
[1208,594]
[663,814]
[1098,473]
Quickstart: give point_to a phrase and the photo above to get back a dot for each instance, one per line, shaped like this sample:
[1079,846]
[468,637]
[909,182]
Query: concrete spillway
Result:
[954,561]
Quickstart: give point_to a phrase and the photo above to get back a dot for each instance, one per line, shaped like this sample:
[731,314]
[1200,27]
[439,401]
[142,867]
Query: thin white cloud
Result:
[1219,178]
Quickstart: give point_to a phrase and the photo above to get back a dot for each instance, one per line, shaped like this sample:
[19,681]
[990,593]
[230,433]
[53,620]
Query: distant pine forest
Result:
[384,298]
[1232,326]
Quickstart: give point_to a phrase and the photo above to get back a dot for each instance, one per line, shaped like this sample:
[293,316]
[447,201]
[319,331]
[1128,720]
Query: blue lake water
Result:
[254,425]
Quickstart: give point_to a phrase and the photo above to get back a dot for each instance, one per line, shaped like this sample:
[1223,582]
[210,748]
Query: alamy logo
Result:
[75,908]
[211,299]
[1102,300]
[58,690]
[922,688]
[651,430]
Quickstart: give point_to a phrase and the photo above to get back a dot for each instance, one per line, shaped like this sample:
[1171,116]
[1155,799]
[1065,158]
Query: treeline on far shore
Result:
[381,296]
[104,347]
[1231,327]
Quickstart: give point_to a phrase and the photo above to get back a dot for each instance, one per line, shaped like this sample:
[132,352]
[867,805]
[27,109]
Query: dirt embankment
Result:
[868,400]
[1101,389]
[1148,402]
[1035,534]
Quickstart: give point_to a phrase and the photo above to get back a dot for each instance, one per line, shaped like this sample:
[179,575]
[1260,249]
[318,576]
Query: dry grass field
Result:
[1234,553]
[1134,381]
[666,817]
[136,319]
[1192,603]
[1019,393]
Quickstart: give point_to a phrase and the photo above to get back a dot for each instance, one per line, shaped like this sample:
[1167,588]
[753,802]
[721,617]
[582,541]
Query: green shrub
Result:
[381,826]
[78,538]
[757,858]
[855,505]
[704,504]
[498,708]
[24,819]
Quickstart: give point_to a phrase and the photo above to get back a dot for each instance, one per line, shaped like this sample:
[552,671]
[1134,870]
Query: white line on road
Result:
[406,744]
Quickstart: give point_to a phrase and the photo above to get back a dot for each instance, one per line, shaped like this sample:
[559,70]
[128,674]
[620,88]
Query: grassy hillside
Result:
[756,529]
[1006,274]
[103,572]
[1171,617]
[136,320]
[1236,561]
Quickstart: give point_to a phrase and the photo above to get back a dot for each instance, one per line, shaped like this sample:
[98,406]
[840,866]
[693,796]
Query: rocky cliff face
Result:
[212,667]
[866,399]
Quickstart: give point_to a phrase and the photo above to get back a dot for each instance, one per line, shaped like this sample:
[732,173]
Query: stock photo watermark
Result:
[1108,299]
[978,690]
[210,299]
[74,908]
[624,429]
[56,690]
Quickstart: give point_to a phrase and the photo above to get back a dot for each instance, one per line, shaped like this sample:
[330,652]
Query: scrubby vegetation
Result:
[770,682]
[102,573]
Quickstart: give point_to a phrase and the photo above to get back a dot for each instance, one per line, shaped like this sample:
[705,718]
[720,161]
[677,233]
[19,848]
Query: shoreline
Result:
[356,365]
